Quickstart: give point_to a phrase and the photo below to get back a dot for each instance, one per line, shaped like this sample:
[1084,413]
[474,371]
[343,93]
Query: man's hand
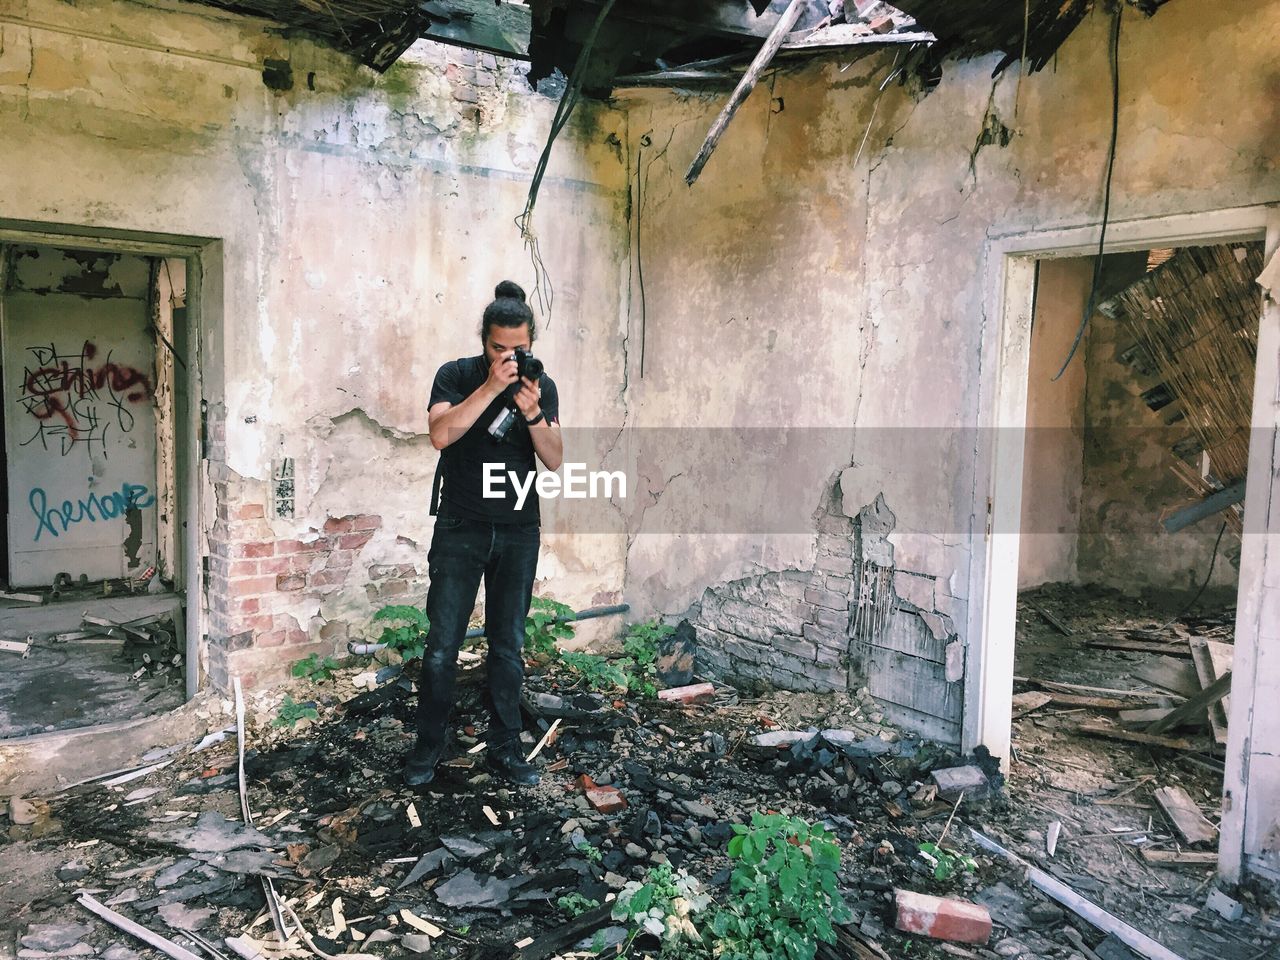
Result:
[528,398]
[502,373]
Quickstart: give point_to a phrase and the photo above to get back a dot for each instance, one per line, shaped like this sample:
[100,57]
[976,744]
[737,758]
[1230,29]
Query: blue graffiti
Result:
[132,496]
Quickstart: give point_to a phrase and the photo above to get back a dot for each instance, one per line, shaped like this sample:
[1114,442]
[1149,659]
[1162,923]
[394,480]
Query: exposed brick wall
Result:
[256,577]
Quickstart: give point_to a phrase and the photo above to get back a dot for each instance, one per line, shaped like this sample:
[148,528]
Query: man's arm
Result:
[447,422]
[547,442]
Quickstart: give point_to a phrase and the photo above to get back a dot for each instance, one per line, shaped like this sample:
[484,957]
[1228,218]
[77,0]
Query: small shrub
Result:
[404,630]
[575,904]
[784,898]
[315,668]
[663,904]
[597,672]
[291,712]
[947,864]
[641,647]
[543,627]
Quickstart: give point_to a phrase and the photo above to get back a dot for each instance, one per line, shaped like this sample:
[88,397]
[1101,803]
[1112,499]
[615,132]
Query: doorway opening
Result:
[96,429]
[1128,555]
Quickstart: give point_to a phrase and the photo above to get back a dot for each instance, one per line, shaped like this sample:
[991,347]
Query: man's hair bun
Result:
[509,289]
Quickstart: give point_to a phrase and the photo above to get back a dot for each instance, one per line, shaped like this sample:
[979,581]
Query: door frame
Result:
[1008,289]
[203,256]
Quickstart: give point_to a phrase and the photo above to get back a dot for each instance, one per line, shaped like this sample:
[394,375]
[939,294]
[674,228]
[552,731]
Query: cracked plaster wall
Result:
[862,269]
[363,220]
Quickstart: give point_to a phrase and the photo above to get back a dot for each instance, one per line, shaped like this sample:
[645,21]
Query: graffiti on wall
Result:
[57,520]
[76,399]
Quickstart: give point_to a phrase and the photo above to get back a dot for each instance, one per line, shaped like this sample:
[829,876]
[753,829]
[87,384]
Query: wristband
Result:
[538,419]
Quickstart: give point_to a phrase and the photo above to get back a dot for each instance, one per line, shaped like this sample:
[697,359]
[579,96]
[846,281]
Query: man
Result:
[484,538]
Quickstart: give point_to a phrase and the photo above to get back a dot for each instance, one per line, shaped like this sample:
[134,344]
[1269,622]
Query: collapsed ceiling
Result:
[669,41]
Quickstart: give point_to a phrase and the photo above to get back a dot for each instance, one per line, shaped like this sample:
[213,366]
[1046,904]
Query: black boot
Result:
[507,763]
[420,768]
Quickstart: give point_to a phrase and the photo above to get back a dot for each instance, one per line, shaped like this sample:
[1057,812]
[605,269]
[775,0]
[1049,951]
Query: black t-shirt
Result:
[462,463]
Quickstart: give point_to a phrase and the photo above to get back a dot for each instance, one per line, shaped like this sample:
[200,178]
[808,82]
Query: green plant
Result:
[545,625]
[590,851]
[404,630]
[641,647]
[663,904]
[597,672]
[946,864]
[575,904]
[784,898]
[315,668]
[291,712]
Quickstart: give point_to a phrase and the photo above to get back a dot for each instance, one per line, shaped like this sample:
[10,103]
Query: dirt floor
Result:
[168,849]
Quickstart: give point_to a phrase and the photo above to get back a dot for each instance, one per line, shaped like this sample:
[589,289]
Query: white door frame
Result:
[204,299]
[1008,288]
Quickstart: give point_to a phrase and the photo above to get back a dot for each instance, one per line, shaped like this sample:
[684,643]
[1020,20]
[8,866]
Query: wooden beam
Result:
[1185,815]
[1193,707]
[1129,736]
[744,87]
[1214,503]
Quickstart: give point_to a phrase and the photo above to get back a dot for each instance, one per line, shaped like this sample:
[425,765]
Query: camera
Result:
[527,366]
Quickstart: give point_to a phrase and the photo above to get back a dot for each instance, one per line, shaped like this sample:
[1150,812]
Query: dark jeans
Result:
[462,553]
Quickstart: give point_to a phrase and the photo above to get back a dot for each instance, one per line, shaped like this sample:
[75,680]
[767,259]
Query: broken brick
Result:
[694,693]
[941,919]
[953,781]
[606,799]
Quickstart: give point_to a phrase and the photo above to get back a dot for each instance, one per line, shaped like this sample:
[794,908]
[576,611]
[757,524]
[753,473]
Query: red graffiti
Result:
[52,391]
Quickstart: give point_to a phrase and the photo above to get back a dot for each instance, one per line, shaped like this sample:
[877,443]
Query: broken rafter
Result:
[744,87]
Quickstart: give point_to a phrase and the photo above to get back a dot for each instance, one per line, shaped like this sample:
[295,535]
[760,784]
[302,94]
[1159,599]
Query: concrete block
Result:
[1224,906]
[942,919]
[953,781]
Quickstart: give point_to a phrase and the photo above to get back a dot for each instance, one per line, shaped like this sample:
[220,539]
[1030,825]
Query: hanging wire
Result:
[1106,193]
[542,287]
[1212,560]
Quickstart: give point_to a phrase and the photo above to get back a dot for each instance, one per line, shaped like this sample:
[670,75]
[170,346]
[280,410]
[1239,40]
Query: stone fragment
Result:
[127,895]
[118,951]
[469,889]
[635,851]
[465,848]
[429,864]
[941,919]
[181,917]
[75,950]
[54,936]
[606,799]
[214,833]
[172,874]
[699,810]
[416,942]
[319,860]
[780,739]
[72,871]
[25,812]
[613,881]
[953,781]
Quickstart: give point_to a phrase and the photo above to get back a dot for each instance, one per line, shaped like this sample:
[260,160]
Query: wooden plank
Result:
[1204,671]
[1053,621]
[1024,703]
[1193,707]
[1222,657]
[1214,503]
[1179,857]
[1097,703]
[743,90]
[1145,716]
[1185,815]
[1176,676]
[1140,646]
[1057,687]
[1131,736]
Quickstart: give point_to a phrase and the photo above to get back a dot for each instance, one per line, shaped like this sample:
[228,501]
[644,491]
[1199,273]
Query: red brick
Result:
[395,588]
[340,560]
[354,541]
[335,630]
[248,605]
[260,623]
[251,511]
[289,582]
[941,919]
[610,800]
[248,586]
[694,693]
[275,638]
[329,578]
[366,521]
[261,549]
[337,525]
[318,545]
[243,568]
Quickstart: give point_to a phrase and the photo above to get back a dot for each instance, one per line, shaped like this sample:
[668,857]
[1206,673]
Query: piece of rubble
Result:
[416,942]
[175,872]
[181,917]
[954,781]
[319,860]
[695,693]
[469,889]
[676,654]
[214,833]
[465,848]
[780,739]
[75,950]
[606,799]
[941,919]
[118,951]
[26,812]
[54,936]
[73,870]
[1227,908]
[421,925]
[428,864]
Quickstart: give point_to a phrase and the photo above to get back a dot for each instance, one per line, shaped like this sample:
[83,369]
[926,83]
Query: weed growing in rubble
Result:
[404,631]
[663,904]
[291,712]
[597,672]
[783,891]
[544,626]
[575,904]
[945,863]
[315,668]
[641,647]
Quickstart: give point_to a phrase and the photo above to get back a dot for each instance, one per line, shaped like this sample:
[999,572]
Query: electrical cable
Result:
[1212,560]
[1106,193]
[644,312]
